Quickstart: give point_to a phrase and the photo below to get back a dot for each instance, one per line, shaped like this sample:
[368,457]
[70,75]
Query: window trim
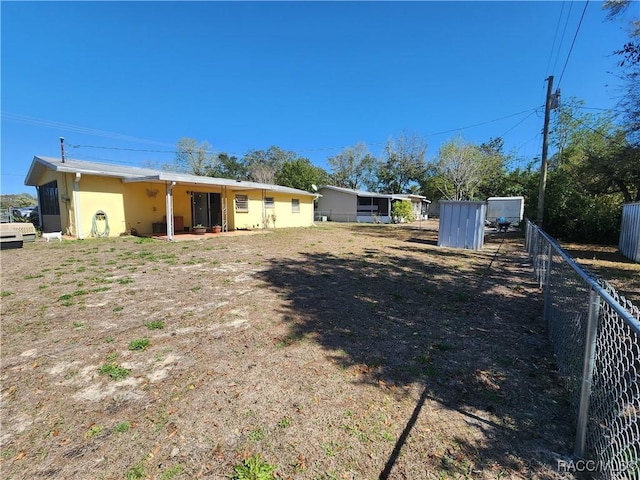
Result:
[269,202]
[295,207]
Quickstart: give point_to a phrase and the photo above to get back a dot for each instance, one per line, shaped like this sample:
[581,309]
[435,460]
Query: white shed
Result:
[511,208]
[462,224]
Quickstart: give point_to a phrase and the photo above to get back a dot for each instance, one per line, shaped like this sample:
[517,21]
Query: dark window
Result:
[49,203]
[373,206]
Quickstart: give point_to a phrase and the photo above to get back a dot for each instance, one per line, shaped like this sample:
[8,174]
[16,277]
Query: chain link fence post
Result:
[587,373]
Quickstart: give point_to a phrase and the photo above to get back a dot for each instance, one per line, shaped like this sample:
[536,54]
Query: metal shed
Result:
[462,224]
[629,243]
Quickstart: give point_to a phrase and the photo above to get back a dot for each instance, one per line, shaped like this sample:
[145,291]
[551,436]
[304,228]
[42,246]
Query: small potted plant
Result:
[217,229]
[199,229]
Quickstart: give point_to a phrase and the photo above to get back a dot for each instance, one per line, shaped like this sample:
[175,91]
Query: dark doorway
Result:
[206,209]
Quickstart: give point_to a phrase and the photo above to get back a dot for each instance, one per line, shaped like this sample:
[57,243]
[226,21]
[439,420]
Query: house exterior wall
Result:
[337,206]
[258,216]
[145,204]
[416,206]
[100,194]
[182,203]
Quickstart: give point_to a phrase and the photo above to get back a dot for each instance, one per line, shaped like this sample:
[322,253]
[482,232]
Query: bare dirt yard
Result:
[342,351]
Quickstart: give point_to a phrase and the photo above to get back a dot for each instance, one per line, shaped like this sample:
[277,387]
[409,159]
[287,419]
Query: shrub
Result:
[402,211]
[253,468]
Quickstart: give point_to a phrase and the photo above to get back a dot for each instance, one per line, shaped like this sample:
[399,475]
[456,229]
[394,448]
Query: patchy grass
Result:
[340,351]
[122,427]
[114,371]
[155,325]
[253,468]
[139,344]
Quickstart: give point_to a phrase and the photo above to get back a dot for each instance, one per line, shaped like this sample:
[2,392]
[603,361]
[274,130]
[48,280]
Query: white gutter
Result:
[76,204]
[170,210]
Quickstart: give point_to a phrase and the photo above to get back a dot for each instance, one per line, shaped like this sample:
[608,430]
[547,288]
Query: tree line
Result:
[594,170]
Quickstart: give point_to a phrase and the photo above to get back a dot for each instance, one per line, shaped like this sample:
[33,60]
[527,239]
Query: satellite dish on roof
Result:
[314,187]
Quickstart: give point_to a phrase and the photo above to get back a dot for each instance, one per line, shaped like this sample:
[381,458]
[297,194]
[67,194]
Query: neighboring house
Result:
[345,205]
[84,199]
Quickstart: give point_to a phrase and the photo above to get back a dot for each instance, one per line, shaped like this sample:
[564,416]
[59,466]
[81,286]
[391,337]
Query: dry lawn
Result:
[335,352]
[606,262]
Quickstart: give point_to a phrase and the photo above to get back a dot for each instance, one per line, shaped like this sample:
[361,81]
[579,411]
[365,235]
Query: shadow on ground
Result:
[461,328]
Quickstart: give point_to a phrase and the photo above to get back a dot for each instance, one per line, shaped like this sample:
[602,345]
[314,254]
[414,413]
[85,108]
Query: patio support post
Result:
[169,187]
[223,206]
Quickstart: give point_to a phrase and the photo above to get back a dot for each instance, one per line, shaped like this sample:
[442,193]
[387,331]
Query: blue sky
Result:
[312,77]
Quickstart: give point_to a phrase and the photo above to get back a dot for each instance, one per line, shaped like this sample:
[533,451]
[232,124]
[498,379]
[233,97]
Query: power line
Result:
[17,117]
[555,36]
[562,38]
[481,123]
[531,111]
[521,121]
[573,43]
[125,149]
[603,135]
[612,110]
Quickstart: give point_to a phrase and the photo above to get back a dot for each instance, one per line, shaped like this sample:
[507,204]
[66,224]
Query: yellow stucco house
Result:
[87,199]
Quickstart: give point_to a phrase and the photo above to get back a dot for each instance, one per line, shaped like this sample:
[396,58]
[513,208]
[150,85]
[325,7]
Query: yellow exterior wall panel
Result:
[280,215]
[101,194]
[144,203]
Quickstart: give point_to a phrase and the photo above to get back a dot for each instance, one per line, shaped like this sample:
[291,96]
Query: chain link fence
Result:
[595,334]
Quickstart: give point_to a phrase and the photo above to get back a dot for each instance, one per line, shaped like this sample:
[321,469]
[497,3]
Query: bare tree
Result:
[460,169]
[353,168]
[192,157]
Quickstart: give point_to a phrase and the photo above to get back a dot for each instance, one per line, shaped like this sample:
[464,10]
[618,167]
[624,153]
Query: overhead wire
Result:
[531,111]
[555,36]
[482,123]
[573,42]
[17,117]
[566,23]
[517,124]
[605,136]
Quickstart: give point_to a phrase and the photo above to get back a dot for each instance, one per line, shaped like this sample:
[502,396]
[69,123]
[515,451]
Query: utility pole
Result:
[62,148]
[545,147]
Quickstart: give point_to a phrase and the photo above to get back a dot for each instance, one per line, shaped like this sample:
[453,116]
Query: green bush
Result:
[402,211]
